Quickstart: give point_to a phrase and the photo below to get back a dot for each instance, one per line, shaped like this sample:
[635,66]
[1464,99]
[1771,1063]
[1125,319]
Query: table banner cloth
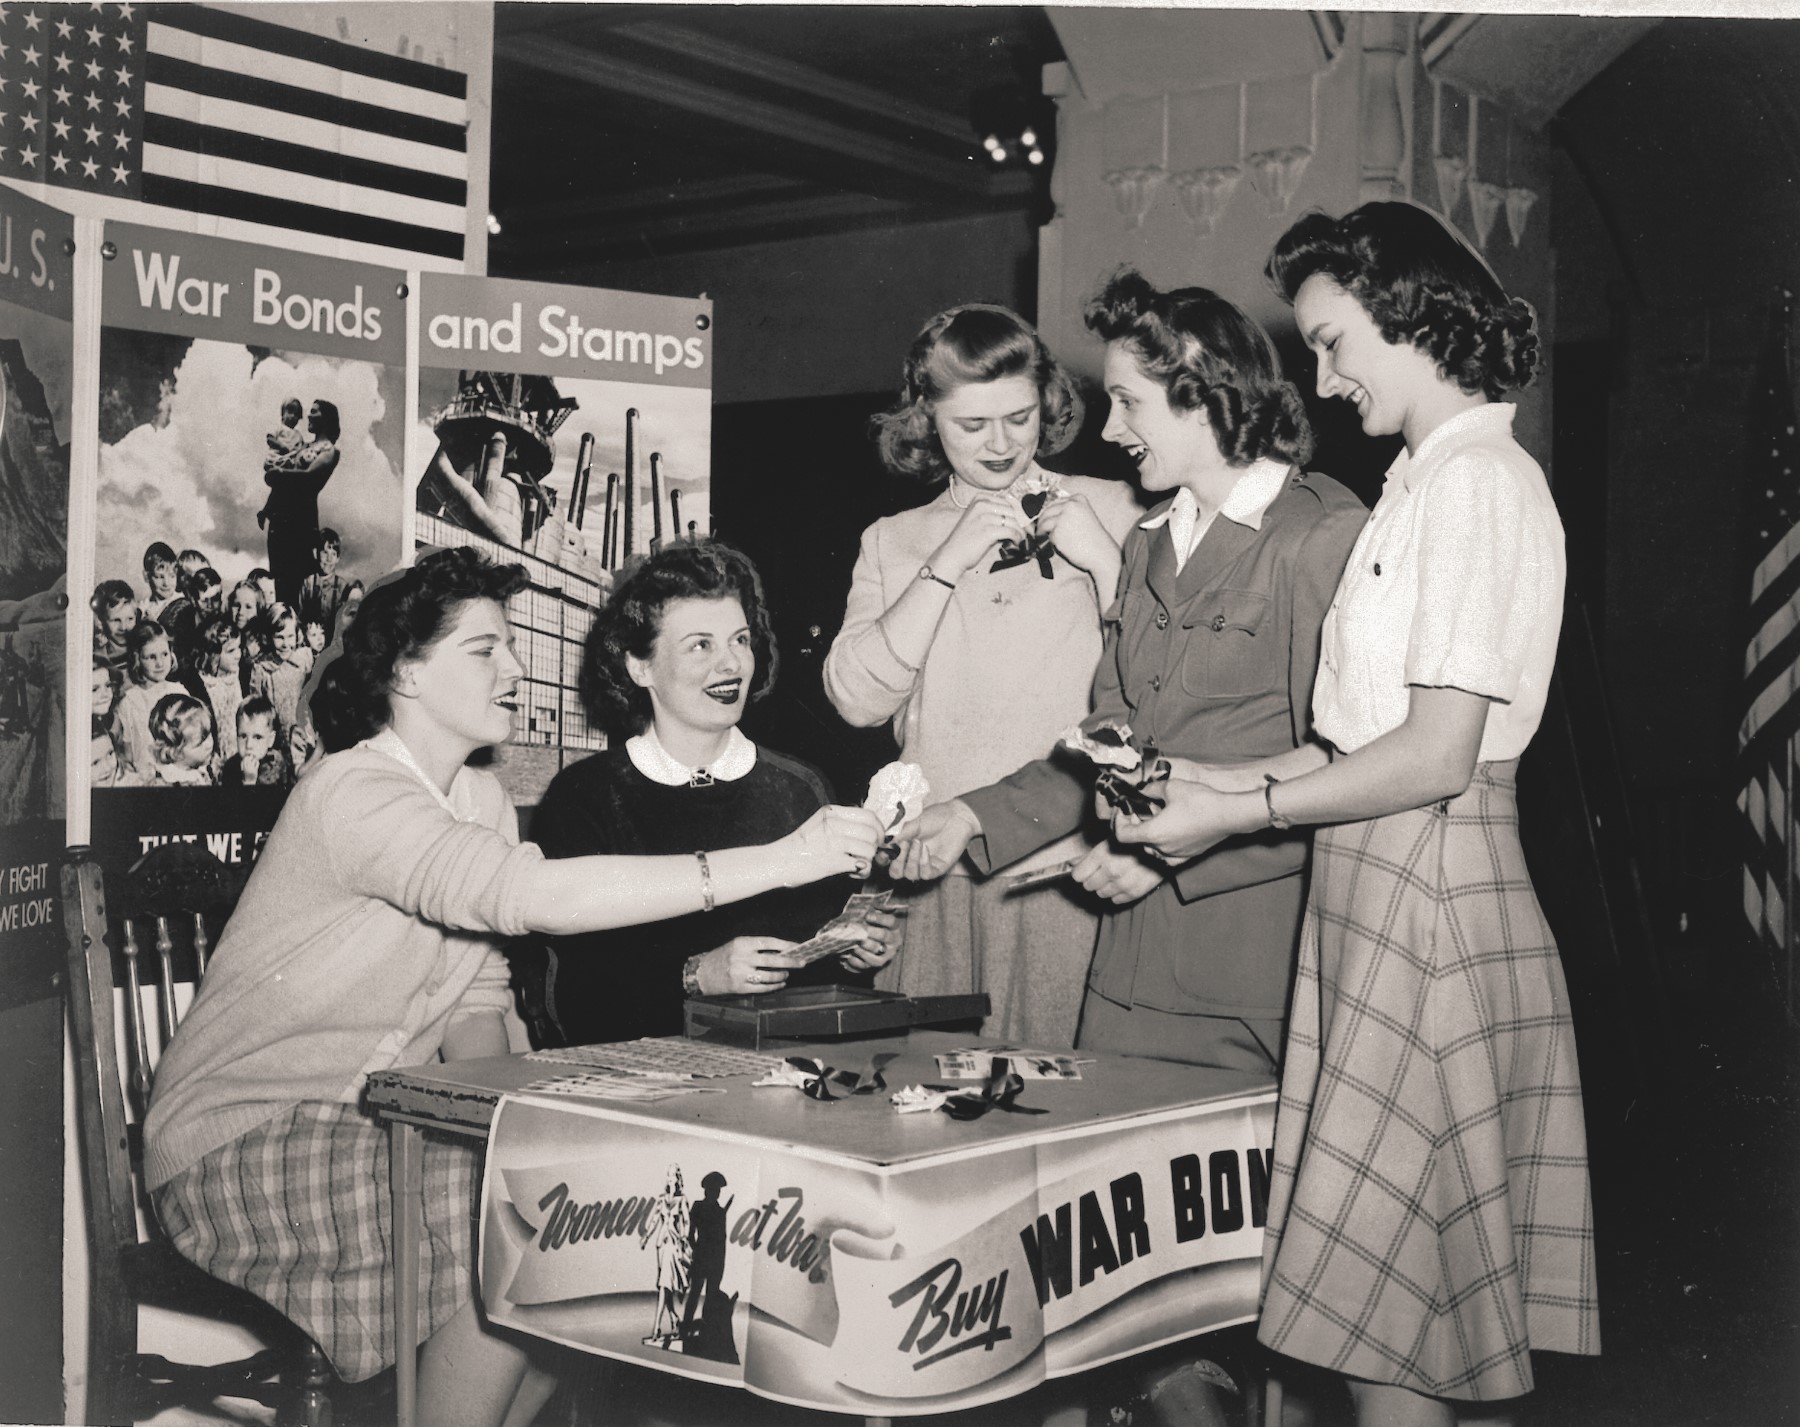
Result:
[910,1283]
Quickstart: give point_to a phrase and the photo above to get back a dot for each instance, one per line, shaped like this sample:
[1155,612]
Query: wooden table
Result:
[873,1263]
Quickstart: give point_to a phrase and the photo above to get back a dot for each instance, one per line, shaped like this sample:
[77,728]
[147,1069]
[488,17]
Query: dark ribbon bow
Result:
[854,1082]
[1000,1093]
[1033,547]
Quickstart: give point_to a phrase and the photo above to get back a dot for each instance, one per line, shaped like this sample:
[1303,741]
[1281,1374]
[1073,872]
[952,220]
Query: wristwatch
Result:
[927,573]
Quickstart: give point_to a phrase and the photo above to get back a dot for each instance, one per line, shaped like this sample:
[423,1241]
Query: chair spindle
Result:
[165,965]
[139,1053]
[201,947]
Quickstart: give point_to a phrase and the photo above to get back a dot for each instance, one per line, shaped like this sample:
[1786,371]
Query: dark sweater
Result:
[617,985]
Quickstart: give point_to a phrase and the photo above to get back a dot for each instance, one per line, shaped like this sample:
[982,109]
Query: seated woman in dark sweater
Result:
[674,658]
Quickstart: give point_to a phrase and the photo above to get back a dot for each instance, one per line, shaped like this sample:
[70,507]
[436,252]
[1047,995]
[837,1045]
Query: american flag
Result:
[199,111]
[1770,729]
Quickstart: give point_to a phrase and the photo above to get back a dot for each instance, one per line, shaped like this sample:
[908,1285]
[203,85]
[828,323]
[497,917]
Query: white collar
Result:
[1488,420]
[458,802]
[1248,502]
[656,763]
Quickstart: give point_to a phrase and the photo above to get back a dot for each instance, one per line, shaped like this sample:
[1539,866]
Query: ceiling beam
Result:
[963,177]
[800,78]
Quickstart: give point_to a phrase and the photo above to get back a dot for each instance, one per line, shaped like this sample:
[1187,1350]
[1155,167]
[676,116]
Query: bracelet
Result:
[706,885]
[690,975]
[1276,820]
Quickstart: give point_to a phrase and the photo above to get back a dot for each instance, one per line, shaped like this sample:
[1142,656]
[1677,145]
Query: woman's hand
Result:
[943,834]
[879,943]
[834,842]
[1080,538]
[1194,819]
[1120,876]
[747,966]
[990,518]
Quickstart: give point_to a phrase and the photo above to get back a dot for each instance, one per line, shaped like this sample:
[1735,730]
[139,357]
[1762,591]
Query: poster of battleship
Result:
[252,415]
[566,429]
[36,364]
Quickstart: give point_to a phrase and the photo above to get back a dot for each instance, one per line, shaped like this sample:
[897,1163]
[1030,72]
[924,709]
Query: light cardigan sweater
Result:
[363,933]
[1010,666]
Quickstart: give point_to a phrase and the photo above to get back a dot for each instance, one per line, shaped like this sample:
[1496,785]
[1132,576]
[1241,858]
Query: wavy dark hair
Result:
[1207,356]
[631,622]
[401,618]
[963,346]
[1421,285]
[327,428]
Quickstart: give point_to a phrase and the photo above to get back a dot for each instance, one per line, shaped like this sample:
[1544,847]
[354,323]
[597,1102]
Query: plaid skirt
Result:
[1429,1215]
[298,1211]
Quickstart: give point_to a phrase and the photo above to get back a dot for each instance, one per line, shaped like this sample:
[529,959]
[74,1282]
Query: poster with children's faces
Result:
[36,361]
[251,431]
[567,430]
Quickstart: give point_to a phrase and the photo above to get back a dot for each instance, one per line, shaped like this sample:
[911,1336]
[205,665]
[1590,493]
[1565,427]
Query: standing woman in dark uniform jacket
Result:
[1210,654]
[679,651]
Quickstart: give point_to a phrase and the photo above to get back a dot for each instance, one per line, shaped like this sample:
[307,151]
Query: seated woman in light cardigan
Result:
[364,941]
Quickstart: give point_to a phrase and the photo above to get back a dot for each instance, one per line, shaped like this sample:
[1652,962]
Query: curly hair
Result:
[210,641]
[631,622]
[963,346]
[1421,285]
[401,618]
[1207,356]
[172,722]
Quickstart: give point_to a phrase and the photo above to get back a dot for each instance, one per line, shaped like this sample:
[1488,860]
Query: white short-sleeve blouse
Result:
[1455,582]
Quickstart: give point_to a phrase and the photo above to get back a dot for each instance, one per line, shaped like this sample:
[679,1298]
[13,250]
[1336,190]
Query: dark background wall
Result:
[1675,219]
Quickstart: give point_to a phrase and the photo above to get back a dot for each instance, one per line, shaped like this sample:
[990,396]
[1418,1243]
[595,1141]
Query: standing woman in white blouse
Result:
[1430,1221]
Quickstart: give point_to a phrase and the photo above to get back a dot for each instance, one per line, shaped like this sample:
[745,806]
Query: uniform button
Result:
[1156,682]
[1162,619]
[1218,623]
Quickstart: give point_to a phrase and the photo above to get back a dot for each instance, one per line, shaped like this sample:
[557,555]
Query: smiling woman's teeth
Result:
[725,693]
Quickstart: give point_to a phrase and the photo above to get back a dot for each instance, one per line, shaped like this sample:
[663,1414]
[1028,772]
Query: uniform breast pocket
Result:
[1231,649]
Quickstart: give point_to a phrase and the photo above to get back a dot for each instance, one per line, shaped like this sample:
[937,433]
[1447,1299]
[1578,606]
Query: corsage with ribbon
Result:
[815,1079]
[896,795]
[1115,751]
[1000,1091]
[1040,489]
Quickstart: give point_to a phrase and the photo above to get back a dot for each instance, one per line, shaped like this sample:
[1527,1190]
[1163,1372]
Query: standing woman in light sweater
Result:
[975,628]
[365,941]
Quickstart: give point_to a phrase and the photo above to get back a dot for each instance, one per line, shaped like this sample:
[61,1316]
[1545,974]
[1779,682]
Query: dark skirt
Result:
[299,1212]
[1429,1220]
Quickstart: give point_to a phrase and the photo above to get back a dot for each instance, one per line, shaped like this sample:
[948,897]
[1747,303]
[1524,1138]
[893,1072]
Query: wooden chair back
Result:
[162,918]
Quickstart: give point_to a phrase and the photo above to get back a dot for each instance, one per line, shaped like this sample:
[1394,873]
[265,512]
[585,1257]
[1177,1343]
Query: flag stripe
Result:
[1779,559]
[318,49]
[223,55]
[285,213]
[1766,706]
[174,133]
[301,188]
[304,103]
[309,133]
